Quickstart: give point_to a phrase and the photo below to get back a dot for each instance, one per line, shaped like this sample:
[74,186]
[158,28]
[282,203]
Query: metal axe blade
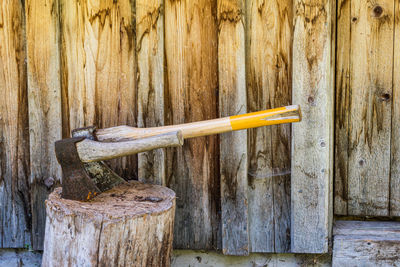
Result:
[104,177]
[76,183]
[80,157]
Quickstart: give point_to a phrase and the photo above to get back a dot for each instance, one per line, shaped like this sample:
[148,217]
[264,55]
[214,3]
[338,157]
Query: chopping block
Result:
[99,219]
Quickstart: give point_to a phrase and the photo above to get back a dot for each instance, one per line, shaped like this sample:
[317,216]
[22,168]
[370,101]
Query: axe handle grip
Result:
[280,115]
[91,151]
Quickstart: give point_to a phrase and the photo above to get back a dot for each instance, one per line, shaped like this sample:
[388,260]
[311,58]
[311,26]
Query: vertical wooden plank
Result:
[150,58]
[395,137]
[99,68]
[342,106]
[15,210]
[312,142]
[191,95]
[371,66]
[269,44]
[44,92]
[233,146]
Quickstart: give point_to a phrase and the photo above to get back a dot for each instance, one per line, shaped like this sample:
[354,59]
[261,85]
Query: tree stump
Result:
[129,225]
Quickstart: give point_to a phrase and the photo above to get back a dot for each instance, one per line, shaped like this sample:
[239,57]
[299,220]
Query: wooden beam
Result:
[370,243]
[312,141]
[233,146]
[191,95]
[269,82]
[150,58]
[15,206]
[44,93]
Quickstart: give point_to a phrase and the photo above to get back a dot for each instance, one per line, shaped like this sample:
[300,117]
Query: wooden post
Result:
[312,139]
[129,225]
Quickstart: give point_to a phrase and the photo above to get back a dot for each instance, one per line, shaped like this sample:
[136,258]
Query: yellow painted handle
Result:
[280,115]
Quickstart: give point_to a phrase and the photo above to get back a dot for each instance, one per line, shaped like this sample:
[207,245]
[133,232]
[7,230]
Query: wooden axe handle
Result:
[91,151]
[280,115]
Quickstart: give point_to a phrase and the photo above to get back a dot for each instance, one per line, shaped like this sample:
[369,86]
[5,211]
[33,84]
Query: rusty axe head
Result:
[85,174]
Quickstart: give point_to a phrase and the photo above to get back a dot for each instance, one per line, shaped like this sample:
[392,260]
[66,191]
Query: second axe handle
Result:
[91,151]
[280,115]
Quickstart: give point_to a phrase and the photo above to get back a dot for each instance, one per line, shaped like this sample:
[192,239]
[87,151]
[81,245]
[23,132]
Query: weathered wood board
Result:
[395,137]
[342,106]
[312,141]
[269,62]
[364,107]
[44,93]
[15,209]
[150,83]
[191,95]
[215,259]
[371,243]
[99,68]
[233,145]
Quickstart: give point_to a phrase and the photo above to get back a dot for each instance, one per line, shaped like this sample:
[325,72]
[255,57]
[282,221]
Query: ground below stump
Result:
[129,225]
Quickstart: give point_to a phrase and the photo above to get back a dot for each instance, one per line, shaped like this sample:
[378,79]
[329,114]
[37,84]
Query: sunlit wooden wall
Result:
[73,63]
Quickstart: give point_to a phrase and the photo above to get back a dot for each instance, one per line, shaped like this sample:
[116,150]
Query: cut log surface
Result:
[129,225]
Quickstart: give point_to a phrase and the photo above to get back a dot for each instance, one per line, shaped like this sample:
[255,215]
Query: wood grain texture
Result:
[92,151]
[269,63]
[150,83]
[366,243]
[99,68]
[395,137]
[44,93]
[371,66]
[129,225]
[342,106]
[312,141]
[233,145]
[191,95]
[15,202]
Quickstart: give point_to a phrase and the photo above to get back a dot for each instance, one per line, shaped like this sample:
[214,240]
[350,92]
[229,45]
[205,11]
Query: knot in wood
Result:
[377,11]
[385,97]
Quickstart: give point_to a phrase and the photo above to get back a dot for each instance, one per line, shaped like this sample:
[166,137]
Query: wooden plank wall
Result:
[151,63]
[269,84]
[367,83]
[312,155]
[44,92]
[15,212]
[191,95]
[150,83]
[98,58]
[232,100]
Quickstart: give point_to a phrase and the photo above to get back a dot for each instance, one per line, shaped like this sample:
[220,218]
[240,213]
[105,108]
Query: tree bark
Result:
[129,225]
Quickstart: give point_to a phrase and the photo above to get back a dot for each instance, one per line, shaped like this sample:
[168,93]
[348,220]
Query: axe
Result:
[85,175]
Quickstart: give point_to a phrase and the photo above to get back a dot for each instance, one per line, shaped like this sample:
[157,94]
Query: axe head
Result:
[83,181]
[76,183]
